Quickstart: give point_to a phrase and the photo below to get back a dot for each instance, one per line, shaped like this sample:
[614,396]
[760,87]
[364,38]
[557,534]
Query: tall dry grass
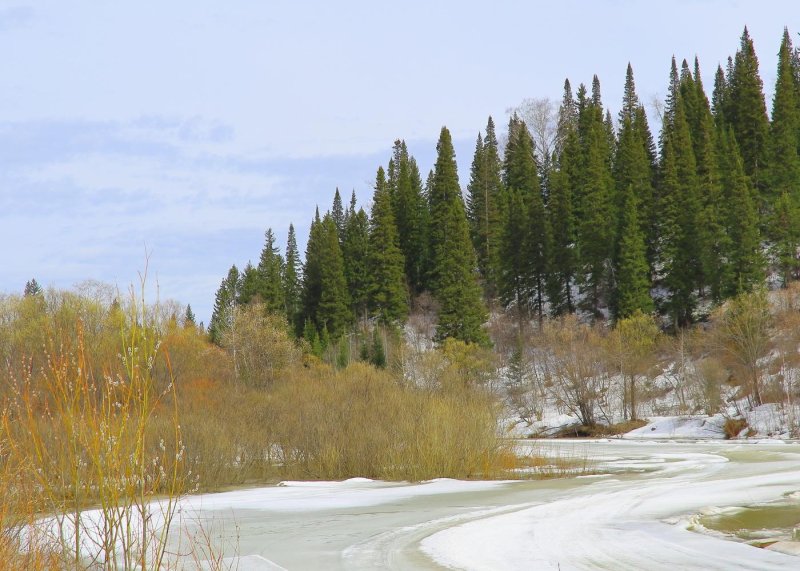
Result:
[78,442]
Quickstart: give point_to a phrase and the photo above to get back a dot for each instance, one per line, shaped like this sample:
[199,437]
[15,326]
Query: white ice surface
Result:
[628,523]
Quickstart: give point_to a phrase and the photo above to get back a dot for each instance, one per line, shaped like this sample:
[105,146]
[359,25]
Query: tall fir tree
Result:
[746,112]
[411,216]
[388,295]
[745,258]
[249,285]
[596,222]
[338,214]
[681,255]
[224,302]
[483,207]
[333,311]
[462,312]
[270,274]
[292,280]
[355,251]
[784,172]
[632,292]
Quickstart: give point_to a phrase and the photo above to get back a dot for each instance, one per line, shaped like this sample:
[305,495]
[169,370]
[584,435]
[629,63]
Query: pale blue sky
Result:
[190,127]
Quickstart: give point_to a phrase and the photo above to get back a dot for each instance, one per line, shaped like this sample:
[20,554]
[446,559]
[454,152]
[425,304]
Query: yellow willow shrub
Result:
[360,422]
[85,443]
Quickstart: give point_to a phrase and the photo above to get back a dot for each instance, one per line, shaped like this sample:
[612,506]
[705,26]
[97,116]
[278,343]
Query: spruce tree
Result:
[189,317]
[224,302]
[338,214]
[563,256]
[462,313]
[32,288]
[355,252]
[632,291]
[411,216]
[333,311]
[746,261]
[681,253]
[785,232]
[596,223]
[483,207]
[784,172]
[249,285]
[270,274]
[312,278]
[533,238]
[388,295]
[291,279]
[746,112]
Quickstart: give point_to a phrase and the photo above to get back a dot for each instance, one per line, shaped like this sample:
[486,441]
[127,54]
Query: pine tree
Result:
[338,214]
[563,256]
[388,295]
[224,302]
[681,252]
[291,280]
[786,237]
[411,216]
[355,252]
[249,285]
[333,310]
[533,238]
[632,293]
[270,274]
[784,172]
[32,288]
[567,119]
[462,312]
[596,223]
[312,278]
[746,262]
[483,208]
[189,319]
[746,112]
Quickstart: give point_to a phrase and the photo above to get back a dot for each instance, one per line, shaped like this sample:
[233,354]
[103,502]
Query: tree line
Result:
[607,221]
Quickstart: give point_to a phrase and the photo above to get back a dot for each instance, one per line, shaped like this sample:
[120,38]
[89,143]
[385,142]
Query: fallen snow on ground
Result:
[670,427]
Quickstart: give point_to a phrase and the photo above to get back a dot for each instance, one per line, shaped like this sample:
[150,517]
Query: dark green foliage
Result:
[596,225]
[746,261]
[387,295]
[411,215]
[333,312]
[338,214]
[527,228]
[632,291]
[224,302]
[784,172]
[563,256]
[270,287]
[291,279]
[189,317]
[326,303]
[746,112]
[32,287]
[249,285]
[378,354]
[355,252]
[483,207]
[680,248]
[454,282]
[786,237]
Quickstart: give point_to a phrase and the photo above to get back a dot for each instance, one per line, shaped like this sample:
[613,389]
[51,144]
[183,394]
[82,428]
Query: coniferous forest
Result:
[604,218]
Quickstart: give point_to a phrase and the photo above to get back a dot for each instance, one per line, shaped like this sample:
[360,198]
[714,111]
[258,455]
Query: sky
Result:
[170,135]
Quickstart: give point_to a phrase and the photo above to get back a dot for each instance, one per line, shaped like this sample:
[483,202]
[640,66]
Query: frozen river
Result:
[634,516]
